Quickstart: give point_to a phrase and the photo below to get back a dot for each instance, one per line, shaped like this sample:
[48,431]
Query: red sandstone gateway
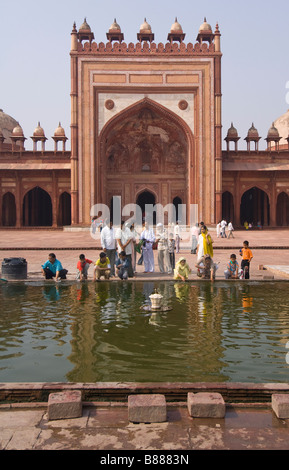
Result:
[145,126]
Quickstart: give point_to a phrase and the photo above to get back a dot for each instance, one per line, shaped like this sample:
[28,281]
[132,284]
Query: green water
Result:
[85,332]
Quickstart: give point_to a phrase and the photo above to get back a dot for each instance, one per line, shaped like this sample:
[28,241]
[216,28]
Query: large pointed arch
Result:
[147,173]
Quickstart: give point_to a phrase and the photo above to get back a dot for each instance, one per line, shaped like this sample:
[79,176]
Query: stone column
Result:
[74,130]
[218,140]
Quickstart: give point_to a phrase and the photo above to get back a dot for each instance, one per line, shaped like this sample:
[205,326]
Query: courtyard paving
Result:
[270,250]
[106,428]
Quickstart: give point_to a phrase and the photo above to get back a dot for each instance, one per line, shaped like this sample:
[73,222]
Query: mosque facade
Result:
[146,126]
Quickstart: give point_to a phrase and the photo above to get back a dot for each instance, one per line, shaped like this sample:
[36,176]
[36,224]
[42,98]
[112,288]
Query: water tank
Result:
[14,268]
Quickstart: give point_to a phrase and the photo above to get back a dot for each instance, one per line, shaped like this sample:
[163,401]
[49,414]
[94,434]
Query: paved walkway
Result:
[270,249]
[106,427]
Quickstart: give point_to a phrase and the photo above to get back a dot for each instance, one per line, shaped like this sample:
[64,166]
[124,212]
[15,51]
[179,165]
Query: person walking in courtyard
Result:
[163,249]
[230,230]
[82,267]
[53,268]
[148,238]
[247,257]
[102,267]
[223,228]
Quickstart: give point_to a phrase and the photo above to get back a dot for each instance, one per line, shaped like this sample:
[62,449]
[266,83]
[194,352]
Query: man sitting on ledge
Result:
[53,268]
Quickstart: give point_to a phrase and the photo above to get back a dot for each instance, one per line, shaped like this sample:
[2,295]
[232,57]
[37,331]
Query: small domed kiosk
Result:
[145,32]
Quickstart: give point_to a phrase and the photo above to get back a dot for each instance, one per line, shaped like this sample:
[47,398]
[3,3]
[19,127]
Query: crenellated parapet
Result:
[146,48]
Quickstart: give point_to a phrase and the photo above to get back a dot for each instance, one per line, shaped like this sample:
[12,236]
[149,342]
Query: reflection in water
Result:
[85,332]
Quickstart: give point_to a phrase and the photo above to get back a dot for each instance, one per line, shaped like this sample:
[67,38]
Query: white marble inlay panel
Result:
[124,100]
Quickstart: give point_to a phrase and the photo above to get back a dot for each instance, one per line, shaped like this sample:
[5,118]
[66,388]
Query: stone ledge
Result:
[65,405]
[147,408]
[206,405]
[232,392]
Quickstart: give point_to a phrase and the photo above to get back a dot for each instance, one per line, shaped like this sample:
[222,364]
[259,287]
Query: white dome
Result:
[282,125]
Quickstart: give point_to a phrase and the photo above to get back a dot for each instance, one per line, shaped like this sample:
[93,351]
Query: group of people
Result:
[120,246]
[221,229]
[126,238]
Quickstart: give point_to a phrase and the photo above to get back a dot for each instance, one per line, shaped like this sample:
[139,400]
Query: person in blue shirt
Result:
[123,265]
[53,268]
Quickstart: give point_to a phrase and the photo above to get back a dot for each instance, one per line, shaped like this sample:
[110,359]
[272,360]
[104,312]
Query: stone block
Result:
[268,277]
[280,405]
[206,405]
[150,408]
[65,405]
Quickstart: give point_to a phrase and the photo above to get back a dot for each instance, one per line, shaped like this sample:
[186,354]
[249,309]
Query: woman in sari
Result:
[205,244]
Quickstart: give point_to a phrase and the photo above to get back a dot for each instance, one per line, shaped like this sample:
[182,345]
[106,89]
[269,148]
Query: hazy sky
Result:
[35,61]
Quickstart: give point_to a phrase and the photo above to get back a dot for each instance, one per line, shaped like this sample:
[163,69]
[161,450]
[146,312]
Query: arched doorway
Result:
[8,210]
[282,212]
[37,208]
[255,207]
[143,199]
[228,207]
[64,210]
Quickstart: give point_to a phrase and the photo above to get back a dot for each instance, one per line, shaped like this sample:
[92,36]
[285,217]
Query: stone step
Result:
[65,405]
[147,408]
[206,405]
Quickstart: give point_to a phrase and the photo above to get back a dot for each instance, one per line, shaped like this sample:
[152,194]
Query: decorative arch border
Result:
[33,186]
[144,189]
[131,110]
[258,186]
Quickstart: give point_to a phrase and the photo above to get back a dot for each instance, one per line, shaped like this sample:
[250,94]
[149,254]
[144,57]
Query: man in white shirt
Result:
[223,228]
[148,238]
[163,249]
[230,230]
[177,236]
[108,244]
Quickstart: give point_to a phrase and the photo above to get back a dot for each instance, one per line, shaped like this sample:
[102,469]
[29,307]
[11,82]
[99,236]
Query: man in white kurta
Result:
[148,238]
[163,249]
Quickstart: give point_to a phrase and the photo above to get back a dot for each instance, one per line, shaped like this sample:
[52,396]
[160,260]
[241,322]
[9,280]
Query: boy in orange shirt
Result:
[247,256]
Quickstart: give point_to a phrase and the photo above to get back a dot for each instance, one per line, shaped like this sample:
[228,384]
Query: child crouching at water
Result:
[233,270]
[182,270]
[82,267]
